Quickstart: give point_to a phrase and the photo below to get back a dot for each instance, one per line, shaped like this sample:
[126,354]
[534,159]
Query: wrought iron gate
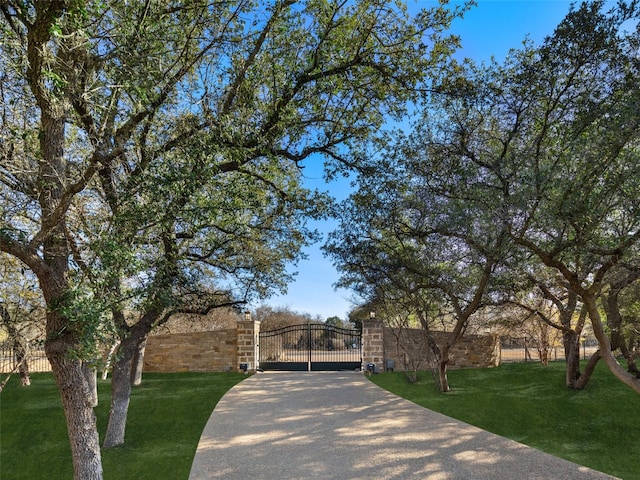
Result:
[310,347]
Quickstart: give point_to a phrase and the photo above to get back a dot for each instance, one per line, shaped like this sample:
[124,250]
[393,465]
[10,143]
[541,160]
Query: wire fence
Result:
[514,350]
[36,359]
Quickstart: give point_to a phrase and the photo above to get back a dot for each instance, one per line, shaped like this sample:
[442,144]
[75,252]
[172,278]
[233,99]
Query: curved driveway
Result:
[339,425]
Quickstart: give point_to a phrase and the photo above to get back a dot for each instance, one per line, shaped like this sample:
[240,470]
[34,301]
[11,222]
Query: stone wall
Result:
[214,351]
[372,342]
[248,339]
[226,350]
[469,351]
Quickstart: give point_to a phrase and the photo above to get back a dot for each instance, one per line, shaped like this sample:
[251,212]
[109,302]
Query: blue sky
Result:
[489,29]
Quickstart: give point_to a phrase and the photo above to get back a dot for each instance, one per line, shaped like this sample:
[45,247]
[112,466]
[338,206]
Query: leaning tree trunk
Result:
[615,323]
[581,382]
[120,392]
[121,377]
[137,364]
[91,383]
[109,360]
[605,345]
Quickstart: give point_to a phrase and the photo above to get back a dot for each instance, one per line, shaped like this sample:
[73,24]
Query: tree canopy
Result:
[538,153]
[150,147]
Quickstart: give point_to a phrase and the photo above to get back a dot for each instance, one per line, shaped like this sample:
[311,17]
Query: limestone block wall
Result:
[469,351]
[373,345]
[225,350]
[214,351]
[247,351]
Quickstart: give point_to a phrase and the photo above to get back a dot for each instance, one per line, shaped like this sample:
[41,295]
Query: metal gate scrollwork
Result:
[310,347]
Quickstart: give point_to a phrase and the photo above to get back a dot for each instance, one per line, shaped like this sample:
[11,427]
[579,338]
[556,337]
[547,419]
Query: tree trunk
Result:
[23,370]
[81,419]
[581,382]
[63,341]
[443,380]
[439,364]
[571,343]
[20,351]
[120,393]
[109,359]
[605,345]
[91,382]
[615,323]
[19,345]
[64,334]
[629,354]
[131,342]
[543,354]
[138,363]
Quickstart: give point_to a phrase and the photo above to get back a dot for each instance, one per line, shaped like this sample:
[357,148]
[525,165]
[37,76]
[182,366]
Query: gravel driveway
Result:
[339,425]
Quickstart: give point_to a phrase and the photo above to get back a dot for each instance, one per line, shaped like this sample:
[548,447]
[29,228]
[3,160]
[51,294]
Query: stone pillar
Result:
[372,343]
[248,332]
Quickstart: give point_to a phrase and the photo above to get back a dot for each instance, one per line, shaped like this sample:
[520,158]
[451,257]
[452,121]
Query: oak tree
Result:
[103,101]
[552,134]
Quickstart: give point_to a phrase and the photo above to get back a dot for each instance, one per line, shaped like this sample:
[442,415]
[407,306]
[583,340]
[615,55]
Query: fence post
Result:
[248,337]
[372,342]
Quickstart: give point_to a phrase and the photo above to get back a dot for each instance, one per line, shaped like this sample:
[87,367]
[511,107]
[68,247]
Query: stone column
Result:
[372,343]
[248,332]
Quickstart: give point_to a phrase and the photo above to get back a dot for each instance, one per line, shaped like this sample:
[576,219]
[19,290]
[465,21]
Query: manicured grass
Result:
[598,427]
[166,417]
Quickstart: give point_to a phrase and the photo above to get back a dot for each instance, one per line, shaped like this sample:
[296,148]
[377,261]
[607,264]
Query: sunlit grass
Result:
[166,418]
[598,427]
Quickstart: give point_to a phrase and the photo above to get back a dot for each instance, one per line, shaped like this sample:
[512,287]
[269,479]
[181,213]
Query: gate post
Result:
[247,349]
[372,342]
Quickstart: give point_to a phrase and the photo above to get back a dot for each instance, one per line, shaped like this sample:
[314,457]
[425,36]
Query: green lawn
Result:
[598,427]
[166,417]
